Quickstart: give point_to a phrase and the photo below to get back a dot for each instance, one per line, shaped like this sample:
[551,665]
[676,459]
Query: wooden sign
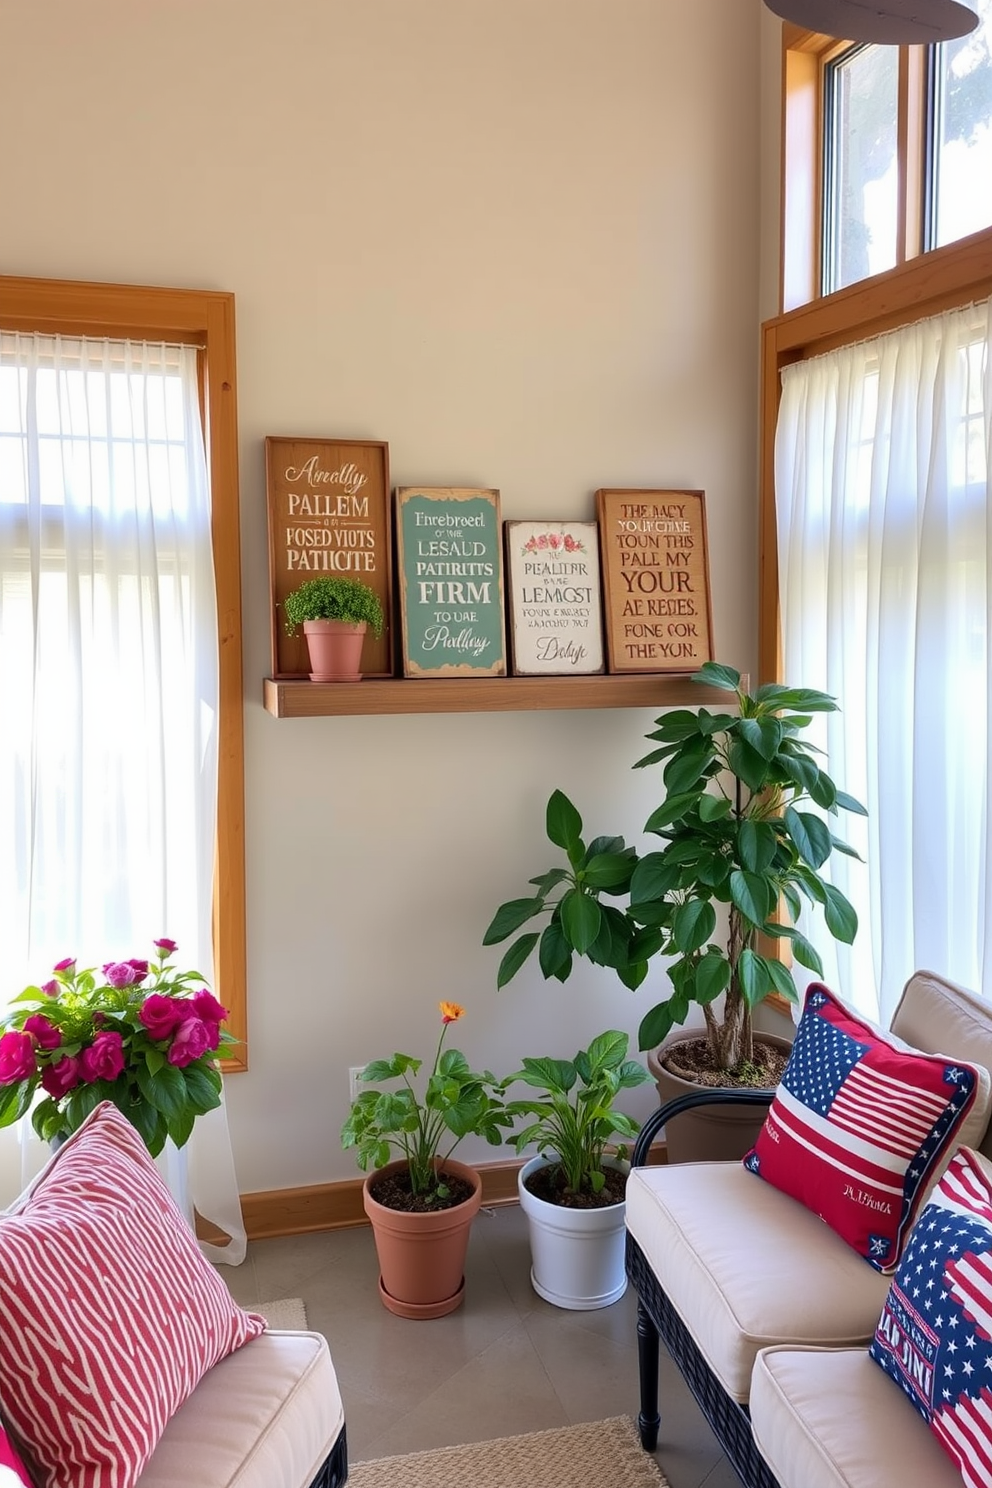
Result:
[556,616]
[329,513]
[451,582]
[656,580]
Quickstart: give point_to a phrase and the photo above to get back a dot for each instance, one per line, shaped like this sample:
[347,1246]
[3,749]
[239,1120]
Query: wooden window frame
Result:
[204,318]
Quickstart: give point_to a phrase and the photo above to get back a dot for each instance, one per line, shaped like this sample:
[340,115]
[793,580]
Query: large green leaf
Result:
[756,844]
[679,724]
[802,699]
[712,976]
[564,824]
[688,766]
[840,915]
[581,918]
[748,764]
[810,834]
[692,925]
[633,974]
[510,917]
[672,809]
[764,735]
[715,674]
[555,951]
[713,808]
[753,977]
[611,944]
[752,895]
[653,878]
[608,870]
[807,955]
[515,957]
[848,803]
[655,1026]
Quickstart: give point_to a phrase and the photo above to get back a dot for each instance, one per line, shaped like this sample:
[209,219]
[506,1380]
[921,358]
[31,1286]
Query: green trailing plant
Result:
[333,598]
[744,827]
[574,1115]
[456,1101]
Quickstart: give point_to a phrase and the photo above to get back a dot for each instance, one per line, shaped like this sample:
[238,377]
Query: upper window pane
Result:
[962,163]
[860,166]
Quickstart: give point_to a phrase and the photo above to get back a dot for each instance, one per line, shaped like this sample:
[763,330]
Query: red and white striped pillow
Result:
[109,1314]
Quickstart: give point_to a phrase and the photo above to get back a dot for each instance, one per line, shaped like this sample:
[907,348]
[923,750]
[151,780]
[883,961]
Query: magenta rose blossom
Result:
[120,973]
[206,1006]
[141,967]
[66,965]
[59,1079]
[192,1039]
[50,989]
[166,946]
[17,1060]
[104,1059]
[45,1034]
[161,1015]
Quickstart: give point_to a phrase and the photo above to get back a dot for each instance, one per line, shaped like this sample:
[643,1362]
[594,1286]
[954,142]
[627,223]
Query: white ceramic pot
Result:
[577,1255]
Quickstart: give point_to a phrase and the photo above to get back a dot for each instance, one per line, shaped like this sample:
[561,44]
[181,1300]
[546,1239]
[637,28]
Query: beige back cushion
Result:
[939,1017]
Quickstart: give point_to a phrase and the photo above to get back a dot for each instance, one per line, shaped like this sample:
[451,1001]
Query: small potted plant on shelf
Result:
[735,839]
[335,612]
[139,1033]
[573,1194]
[422,1204]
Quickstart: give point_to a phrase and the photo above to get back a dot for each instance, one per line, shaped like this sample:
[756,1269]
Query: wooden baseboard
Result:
[338,1206]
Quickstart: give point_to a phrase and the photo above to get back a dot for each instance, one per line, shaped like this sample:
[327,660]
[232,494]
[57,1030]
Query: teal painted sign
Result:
[451,582]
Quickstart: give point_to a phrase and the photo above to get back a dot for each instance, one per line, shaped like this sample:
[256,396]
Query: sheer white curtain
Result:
[108,677]
[882,461]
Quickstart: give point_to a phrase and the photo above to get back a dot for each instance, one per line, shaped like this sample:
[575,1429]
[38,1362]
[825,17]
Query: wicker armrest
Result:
[704,1096]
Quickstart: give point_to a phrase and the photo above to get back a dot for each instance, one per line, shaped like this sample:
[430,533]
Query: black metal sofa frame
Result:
[657,1320]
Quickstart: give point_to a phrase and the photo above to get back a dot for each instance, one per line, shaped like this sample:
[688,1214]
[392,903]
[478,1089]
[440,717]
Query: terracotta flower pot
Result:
[335,650]
[422,1256]
[710,1134]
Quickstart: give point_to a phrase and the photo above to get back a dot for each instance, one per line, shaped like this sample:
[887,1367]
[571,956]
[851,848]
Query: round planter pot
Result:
[577,1255]
[335,650]
[709,1134]
[422,1256]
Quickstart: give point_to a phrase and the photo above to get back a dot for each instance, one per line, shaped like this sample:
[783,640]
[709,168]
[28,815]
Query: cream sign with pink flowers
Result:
[556,625]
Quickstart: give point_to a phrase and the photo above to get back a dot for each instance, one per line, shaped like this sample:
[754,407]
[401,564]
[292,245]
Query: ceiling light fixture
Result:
[883,22]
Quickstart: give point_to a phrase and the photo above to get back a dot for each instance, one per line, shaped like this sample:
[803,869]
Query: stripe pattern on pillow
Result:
[109,1313]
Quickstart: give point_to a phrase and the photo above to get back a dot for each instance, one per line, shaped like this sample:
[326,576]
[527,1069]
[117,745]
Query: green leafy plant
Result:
[456,1102]
[333,598]
[737,839]
[575,1117]
[144,1036]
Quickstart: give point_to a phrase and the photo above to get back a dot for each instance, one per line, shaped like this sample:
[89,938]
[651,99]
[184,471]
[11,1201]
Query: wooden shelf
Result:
[304,699]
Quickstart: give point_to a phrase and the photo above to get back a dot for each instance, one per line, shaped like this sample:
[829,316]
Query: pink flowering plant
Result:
[141,1034]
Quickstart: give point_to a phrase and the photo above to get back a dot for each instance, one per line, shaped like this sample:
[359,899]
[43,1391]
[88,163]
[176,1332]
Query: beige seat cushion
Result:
[745,1266]
[829,1418]
[265,1417]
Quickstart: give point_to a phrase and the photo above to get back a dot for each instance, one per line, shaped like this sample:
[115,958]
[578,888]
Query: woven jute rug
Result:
[286,1313]
[597,1454]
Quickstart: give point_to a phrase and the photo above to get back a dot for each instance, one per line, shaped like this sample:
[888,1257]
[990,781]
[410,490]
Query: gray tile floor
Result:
[506,1362]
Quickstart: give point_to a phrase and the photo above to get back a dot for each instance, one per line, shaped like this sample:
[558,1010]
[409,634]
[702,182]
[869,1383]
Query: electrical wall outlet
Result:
[354,1087]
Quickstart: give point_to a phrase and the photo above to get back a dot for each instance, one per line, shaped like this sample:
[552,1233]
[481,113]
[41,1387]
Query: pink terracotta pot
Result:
[422,1256]
[335,650]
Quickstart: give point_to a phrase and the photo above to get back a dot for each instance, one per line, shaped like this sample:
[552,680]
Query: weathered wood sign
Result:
[556,616]
[656,580]
[451,581]
[329,514]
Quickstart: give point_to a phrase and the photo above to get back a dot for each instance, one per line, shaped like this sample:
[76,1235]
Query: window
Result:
[115,432]
[888,154]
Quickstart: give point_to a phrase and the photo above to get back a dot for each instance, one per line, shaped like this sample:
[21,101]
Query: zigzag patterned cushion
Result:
[934,1337]
[13,1473]
[109,1314]
[862,1125]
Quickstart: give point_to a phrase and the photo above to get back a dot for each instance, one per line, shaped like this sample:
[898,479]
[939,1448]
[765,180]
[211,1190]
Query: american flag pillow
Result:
[861,1126]
[934,1337]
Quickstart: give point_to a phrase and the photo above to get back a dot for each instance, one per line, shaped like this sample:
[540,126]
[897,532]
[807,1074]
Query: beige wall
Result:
[518,239]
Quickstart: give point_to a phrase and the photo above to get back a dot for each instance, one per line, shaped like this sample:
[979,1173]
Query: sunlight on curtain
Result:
[885,568]
[108,663]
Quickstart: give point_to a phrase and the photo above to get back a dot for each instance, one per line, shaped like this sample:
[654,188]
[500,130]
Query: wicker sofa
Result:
[768,1313]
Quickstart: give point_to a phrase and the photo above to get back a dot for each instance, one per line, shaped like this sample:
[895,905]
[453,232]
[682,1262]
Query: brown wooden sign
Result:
[329,513]
[656,580]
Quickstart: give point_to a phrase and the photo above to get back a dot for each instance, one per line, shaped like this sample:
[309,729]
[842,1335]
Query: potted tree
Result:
[574,1196]
[739,848]
[335,613]
[422,1204]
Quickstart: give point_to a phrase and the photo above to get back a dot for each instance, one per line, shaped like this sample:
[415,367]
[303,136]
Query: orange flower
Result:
[450,1012]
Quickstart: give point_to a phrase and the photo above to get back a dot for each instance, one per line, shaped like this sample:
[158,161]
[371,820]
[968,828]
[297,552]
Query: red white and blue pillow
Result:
[934,1337]
[861,1126]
